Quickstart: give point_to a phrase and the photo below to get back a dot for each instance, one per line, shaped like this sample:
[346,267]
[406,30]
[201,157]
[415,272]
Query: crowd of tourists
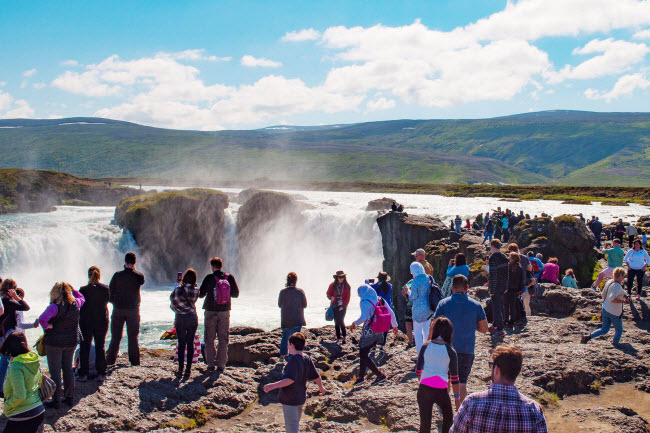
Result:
[441,322]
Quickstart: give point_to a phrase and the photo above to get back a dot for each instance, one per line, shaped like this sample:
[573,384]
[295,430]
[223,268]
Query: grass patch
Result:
[548,399]
[595,386]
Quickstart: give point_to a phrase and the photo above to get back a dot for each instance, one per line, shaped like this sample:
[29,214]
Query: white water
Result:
[39,249]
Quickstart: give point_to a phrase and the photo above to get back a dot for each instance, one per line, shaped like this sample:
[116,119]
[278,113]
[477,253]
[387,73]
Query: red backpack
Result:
[381,320]
[222,291]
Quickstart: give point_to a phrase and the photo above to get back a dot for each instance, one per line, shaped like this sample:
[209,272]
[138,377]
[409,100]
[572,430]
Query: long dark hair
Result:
[189,277]
[441,327]
[384,288]
[15,344]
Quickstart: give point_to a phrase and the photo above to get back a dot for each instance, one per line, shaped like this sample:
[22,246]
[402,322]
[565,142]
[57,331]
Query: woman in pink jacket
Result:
[551,272]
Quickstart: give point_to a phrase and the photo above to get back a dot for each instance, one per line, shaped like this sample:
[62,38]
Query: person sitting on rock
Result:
[614,297]
[369,337]
[218,289]
[437,366]
[569,279]
[551,272]
[502,408]
[299,370]
[292,302]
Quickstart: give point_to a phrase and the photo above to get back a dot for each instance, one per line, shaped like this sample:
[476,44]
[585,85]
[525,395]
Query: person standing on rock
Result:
[619,230]
[502,408]
[124,290]
[456,266]
[299,370]
[526,279]
[637,261]
[183,302]
[218,288]
[437,366]
[11,303]
[338,293]
[615,256]
[631,233]
[467,317]
[369,305]
[613,299]
[489,231]
[458,222]
[419,296]
[498,282]
[597,229]
[292,302]
[419,256]
[385,291]
[93,322]
[513,291]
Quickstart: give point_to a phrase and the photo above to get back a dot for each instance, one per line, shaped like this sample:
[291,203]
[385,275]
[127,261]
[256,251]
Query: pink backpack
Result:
[222,291]
[381,320]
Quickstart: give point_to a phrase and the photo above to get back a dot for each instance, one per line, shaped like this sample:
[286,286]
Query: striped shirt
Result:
[183,299]
[500,409]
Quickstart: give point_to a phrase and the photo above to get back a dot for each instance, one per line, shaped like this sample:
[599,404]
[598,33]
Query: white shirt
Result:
[637,259]
[611,291]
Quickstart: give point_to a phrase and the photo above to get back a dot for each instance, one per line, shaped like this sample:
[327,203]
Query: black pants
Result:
[89,332]
[132,319]
[597,236]
[339,321]
[497,310]
[630,240]
[510,307]
[638,273]
[427,397]
[27,426]
[186,325]
[365,362]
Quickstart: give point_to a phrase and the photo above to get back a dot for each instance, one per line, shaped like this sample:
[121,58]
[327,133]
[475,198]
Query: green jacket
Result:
[22,384]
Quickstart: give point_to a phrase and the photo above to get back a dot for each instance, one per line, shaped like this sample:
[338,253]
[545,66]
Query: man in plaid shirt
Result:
[501,409]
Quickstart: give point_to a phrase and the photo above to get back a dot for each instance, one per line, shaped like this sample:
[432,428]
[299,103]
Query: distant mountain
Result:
[550,147]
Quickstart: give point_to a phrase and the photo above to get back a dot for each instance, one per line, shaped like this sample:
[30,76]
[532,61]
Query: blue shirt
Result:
[457,270]
[464,313]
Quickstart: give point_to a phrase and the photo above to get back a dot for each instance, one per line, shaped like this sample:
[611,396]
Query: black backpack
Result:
[435,295]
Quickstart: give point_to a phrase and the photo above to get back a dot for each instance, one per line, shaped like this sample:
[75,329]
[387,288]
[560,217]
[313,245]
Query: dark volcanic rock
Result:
[175,230]
[380,204]
[564,237]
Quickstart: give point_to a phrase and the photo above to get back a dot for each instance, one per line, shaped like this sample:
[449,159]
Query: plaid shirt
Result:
[500,409]
[184,299]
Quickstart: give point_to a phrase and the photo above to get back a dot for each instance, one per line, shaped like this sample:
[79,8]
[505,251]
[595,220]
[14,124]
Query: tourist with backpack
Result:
[12,303]
[614,297]
[338,293]
[420,288]
[437,366]
[292,302]
[536,265]
[467,317]
[183,303]
[218,288]
[376,317]
[385,291]
[513,291]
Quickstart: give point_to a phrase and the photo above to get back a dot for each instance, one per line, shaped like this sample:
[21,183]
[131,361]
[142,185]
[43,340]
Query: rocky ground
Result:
[150,398]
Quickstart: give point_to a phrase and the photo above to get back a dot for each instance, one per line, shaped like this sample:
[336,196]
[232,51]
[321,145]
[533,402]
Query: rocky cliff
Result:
[149,398]
[175,230]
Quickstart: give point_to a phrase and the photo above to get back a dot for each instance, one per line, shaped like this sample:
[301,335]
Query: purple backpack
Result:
[222,291]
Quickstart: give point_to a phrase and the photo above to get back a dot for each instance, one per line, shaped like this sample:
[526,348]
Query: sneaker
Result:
[359,381]
[414,359]
[585,339]
[82,379]
[379,379]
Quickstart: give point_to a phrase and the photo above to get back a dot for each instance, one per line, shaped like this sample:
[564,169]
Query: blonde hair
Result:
[93,275]
[570,272]
[619,272]
[61,294]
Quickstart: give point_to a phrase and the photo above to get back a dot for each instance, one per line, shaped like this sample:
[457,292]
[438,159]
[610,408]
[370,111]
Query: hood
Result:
[367,293]
[416,269]
[29,360]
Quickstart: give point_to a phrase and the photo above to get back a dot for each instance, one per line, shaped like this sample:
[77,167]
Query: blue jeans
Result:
[458,229]
[286,333]
[488,235]
[608,321]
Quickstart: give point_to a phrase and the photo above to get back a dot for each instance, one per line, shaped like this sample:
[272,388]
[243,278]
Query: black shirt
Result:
[124,289]
[292,303]
[300,368]
[95,309]
[207,291]
[8,319]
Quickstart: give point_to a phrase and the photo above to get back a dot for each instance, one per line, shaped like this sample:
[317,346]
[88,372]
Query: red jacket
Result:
[345,295]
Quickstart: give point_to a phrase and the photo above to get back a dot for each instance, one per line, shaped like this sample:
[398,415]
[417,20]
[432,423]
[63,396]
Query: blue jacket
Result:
[388,298]
[419,293]
[457,270]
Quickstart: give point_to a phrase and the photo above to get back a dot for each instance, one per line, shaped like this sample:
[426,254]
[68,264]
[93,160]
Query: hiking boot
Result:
[585,339]
[187,374]
[359,381]
[379,379]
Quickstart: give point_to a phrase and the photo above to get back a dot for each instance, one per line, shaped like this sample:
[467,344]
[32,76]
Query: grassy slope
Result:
[576,148]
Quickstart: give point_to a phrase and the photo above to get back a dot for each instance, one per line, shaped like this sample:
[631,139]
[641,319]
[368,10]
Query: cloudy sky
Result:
[248,64]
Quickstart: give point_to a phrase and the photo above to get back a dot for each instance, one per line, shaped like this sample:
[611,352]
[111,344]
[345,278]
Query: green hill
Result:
[554,147]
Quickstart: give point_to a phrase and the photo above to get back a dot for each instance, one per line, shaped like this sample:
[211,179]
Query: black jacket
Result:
[207,291]
[8,319]
[498,263]
[95,310]
[124,289]
[65,327]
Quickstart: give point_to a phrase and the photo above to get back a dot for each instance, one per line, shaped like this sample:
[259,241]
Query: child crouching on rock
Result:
[293,387]
[377,318]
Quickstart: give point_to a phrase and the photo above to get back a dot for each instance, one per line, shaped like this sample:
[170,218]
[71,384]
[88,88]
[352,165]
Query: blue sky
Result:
[247,64]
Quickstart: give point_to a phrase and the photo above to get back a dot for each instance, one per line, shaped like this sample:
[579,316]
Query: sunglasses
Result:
[340,278]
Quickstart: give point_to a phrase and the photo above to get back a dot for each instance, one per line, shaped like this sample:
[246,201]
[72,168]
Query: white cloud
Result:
[259,62]
[301,35]
[617,57]
[380,104]
[70,62]
[11,108]
[28,73]
[197,54]
[625,85]
[39,85]
[642,34]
